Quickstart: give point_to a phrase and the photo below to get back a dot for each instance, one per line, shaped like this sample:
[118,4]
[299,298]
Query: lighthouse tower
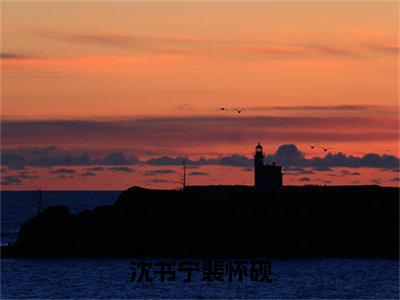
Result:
[266,177]
[258,164]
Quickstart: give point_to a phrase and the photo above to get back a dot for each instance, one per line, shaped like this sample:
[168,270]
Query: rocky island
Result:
[221,221]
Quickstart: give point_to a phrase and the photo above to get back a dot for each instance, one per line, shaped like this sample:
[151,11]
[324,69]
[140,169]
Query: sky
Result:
[107,95]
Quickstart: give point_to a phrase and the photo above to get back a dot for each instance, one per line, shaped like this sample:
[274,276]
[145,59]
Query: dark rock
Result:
[222,221]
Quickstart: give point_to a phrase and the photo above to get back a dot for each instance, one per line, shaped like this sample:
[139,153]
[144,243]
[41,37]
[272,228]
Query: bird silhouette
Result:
[325,149]
[222,109]
[312,146]
[239,111]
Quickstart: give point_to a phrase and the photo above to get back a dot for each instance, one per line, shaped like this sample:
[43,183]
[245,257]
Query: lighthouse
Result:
[267,177]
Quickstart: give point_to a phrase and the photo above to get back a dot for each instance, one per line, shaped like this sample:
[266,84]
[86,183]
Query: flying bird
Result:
[325,149]
[239,111]
[312,146]
[222,109]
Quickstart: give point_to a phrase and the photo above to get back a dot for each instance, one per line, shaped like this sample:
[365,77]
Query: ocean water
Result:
[18,207]
[102,278]
[110,278]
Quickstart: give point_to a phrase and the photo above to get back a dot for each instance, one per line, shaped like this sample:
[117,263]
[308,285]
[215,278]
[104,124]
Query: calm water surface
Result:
[105,278]
[101,278]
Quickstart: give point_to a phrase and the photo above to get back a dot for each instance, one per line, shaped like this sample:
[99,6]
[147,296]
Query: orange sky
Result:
[90,61]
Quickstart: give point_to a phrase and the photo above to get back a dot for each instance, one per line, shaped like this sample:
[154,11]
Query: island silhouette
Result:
[264,220]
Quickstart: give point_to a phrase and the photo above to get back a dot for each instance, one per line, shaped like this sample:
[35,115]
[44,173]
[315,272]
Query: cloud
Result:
[323,181]
[91,39]
[65,176]
[63,171]
[95,169]
[326,49]
[117,158]
[42,157]
[395,179]
[346,173]
[185,107]
[234,160]
[279,46]
[294,44]
[229,160]
[116,39]
[299,50]
[17,179]
[156,180]
[19,158]
[166,161]
[390,49]
[322,168]
[173,131]
[149,44]
[340,108]
[305,179]
[13,161]
[177,132]
[198,173]
[376,181]
[10,180]
[158,172]
[88,174]
[298,171]
[272,51]
[25,175]
[120,169]
[10,55]
[287,155]
[195,45]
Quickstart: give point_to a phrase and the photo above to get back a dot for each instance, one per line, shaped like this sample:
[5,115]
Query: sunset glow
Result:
[117,85]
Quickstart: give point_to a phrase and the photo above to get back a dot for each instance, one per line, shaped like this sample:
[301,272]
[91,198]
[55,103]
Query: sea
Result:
[111,278]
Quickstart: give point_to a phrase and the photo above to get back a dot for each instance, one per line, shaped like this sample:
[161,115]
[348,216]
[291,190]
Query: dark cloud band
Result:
[176,132]
[287,155]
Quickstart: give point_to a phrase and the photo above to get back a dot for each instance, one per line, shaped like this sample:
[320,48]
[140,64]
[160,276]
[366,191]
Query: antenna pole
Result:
[182,176]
